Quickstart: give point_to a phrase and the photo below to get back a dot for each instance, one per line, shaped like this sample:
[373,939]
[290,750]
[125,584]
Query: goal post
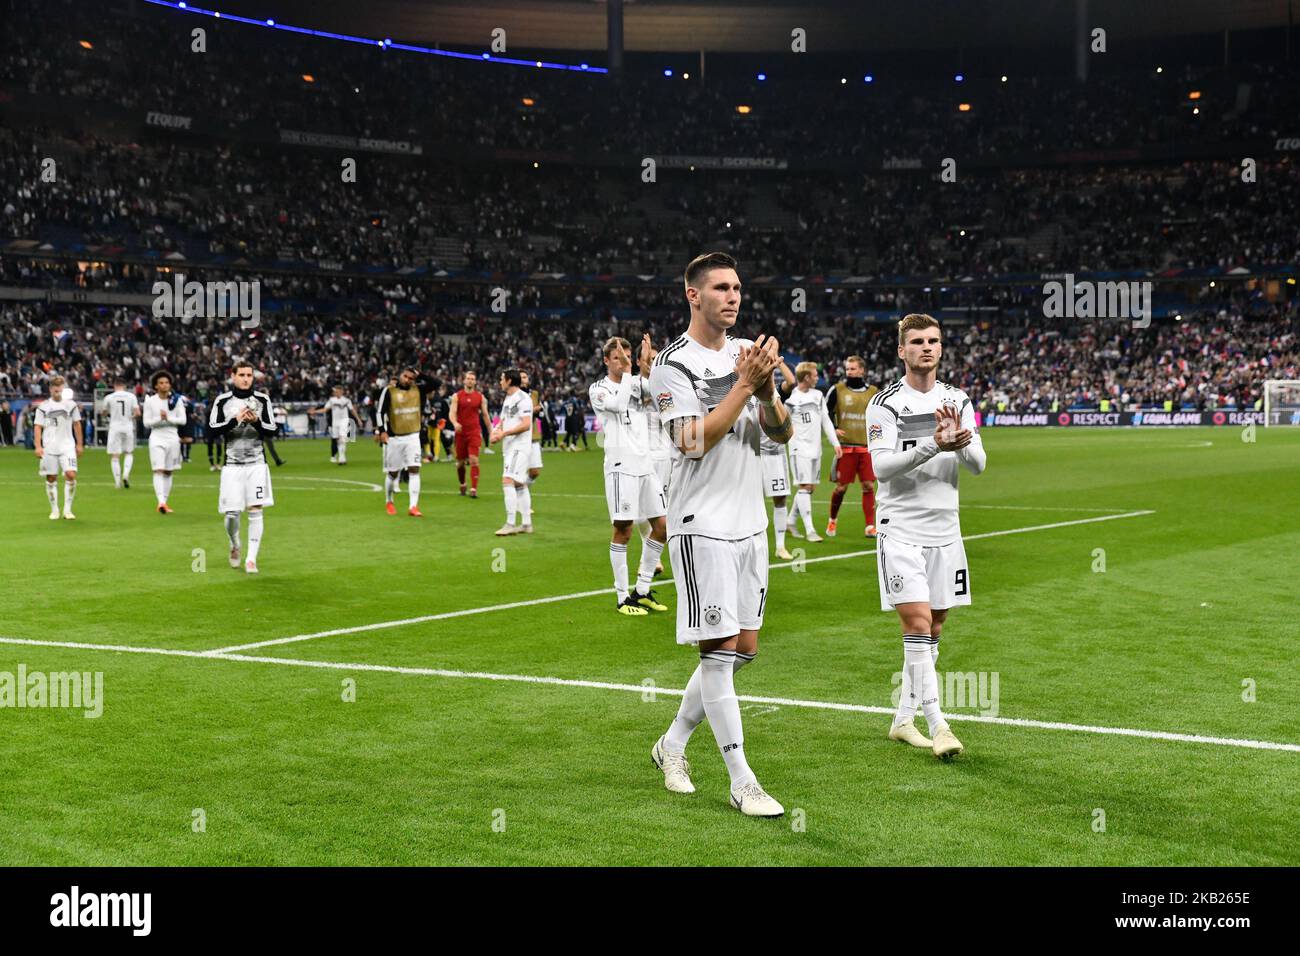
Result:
[1281,402]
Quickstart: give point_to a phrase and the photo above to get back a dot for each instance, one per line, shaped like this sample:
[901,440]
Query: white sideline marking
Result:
[671,691]
[583,594]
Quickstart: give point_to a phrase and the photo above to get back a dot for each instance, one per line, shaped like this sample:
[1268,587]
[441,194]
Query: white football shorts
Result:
[244,487]
[911,573]
[121,440]
[402,451]
[721,585]
[634,497]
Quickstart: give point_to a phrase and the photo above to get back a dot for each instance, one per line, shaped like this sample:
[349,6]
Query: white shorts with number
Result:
[244,487]
[165,456]
[807,469]
[343,432]
[909,573]
[54,463]
[776,476]
[721,585]
[535,455]
[402,451]
[121,441]
[634,497]
[514,464]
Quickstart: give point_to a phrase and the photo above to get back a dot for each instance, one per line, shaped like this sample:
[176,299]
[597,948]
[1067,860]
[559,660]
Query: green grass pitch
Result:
[1196,605]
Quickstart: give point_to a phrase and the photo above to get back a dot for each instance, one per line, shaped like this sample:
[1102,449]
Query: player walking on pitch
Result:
[469,415]
[123,410]
[514,433]
[244,418]
[59,443]
[716,397]
[847,404]
[919,430]
[632,488]
[400,416]
[340,409]
[164,414]
[807,407]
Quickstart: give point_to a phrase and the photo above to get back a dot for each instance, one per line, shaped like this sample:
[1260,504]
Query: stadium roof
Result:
[765,25]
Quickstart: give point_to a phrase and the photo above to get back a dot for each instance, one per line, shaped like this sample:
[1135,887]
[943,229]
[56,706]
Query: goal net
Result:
[1281,402]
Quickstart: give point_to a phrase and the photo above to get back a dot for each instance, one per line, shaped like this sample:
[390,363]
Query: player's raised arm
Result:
[151,416]
[773,417]
[266,421]
[693,429]
[179,418]
[972,455]
[220,420]
[882,439]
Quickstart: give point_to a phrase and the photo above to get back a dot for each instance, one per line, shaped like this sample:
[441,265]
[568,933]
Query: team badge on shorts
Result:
[896,582]
[713,616]
[875,432]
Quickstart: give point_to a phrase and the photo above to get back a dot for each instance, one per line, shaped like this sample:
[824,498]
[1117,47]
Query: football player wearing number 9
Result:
[716,397]
[243,417]
[918,431]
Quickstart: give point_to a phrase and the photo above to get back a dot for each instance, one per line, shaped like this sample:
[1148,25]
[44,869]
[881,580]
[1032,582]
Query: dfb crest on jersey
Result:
[253,405]
[713,616]
[950,404]
[896,582]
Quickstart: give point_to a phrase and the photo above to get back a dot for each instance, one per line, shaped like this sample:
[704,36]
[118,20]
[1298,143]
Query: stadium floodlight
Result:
[868,78]
[959,77]
[762,76]
[1281,402]
[668,72]
[1004,77]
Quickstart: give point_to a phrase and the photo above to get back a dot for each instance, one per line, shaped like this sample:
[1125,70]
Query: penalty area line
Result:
[669,691]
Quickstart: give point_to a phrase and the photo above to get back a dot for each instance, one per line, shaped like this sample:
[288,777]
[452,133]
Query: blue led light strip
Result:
[370,41]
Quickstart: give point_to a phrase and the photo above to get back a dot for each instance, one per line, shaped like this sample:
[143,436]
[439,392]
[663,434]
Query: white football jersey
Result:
[811,421]
[338,409]
[624,422]
[513,410]
[121,409]
[56,418]
[161,431]
[919,507]
[719,495]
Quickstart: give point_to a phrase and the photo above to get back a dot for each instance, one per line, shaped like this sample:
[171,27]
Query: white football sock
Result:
[232,528]
[413,488]
[389,484]
[913,677]
[512,502]
[645,572]
[69,490]
[524,499]
[52,492]
[159,488]
[718,691]
[803,503]
[116,464]
[254,534]
[618,561]
[691,712]
[127,459]
[167,486]
[778,523]
[918,650]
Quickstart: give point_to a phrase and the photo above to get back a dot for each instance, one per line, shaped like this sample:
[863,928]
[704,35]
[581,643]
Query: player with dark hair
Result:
[244,417]
[163,414]
[514,433]
[716,396]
